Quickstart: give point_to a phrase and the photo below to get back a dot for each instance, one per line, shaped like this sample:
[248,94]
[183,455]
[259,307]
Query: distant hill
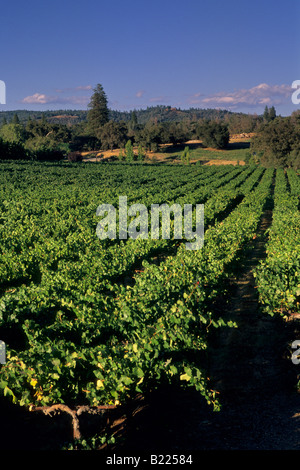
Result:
[62,116]
[154,113]
[168,113]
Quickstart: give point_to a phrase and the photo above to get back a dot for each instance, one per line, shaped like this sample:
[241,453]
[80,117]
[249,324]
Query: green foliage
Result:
[277,144]
[278,276]
[112,135]
[121,155]
[213,134]
[75,332]
[269,114]
[13,151]
[13,133]
[75,157]
[141,153]
[150,136]
[176,132]
[185,157]
[98,113]
[16,119]
[237,122]
[45,153]
[129,154]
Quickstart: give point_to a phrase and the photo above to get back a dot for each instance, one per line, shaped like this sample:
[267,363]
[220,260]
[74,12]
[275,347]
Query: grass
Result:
[236,151]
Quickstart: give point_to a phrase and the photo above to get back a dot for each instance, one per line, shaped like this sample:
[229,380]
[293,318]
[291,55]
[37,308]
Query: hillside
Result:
[242,122]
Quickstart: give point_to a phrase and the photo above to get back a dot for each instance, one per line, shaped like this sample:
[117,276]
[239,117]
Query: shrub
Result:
[75,157]
[129,155]
[185,157]
[48,154]
[13,151]
[214,134]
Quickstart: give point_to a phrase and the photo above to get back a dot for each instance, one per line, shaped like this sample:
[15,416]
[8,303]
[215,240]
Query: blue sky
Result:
[236,55]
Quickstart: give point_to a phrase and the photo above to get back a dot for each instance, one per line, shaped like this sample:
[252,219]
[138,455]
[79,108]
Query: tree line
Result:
[277,143]
[39,139]
[276,140]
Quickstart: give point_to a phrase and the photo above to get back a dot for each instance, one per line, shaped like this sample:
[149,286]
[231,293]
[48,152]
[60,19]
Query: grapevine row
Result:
[87,347]
[278,276]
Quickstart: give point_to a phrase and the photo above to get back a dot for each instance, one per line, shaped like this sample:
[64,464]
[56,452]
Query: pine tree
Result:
[133,120]
[266,114]
[98,114]
[16,119]
[269,114]
[272,113]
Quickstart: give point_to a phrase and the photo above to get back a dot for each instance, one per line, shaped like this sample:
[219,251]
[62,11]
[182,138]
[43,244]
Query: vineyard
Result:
[90,324]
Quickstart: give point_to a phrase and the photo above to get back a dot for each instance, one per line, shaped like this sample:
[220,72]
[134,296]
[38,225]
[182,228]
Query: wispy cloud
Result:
[140,93]
[63,96]
[41,98]
[262,94]
[38,98]
[159,99]
[74,89]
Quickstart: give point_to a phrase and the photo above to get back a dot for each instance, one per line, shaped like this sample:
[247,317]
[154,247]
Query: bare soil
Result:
[109,155]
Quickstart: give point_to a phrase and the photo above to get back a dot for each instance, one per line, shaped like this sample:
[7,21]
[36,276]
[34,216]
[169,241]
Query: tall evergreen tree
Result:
[15,119]
[272,113]
[98,113]
[269,114]
[133,119]
[266,114]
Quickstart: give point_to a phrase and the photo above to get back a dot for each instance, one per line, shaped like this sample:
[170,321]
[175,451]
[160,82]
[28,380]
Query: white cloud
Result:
[60,97]
[41,98]
[37,98]
[262,94]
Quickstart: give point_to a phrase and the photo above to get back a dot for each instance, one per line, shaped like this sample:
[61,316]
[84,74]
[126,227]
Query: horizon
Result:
[232,56]
[128,111]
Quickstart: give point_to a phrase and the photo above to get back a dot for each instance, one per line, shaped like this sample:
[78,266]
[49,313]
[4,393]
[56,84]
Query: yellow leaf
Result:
[185,377]
[100,384]
[33,382]
[135,348]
